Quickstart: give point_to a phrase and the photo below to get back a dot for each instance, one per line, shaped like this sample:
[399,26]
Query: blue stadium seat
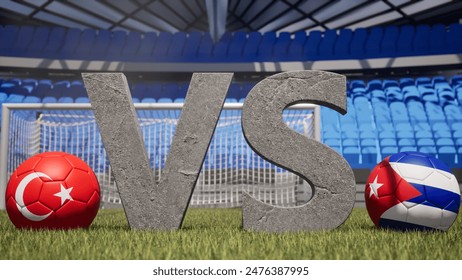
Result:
[389,42]
[352,155]
[416,112]
[375,84]
[406,81]
[411,93]
[438,39]
[456,126]
[453,113]
[405,40]
[220,49]
[39,41]
[404,134]
[387,134]
[43,87]
[425,87]
[145,50]
[175,50]
[162,46]
[139,91]
[441,142]
[392,90]
[354,84]
[388,142]
[454,38]
[363,112]
[29,82]
[374,42]
[398,112]
[132,45]
[31,99]
[456,81]
[349,133]
[169,92]
[234,93]
[332,142]
[403,126]
[369,156]
[408,149]
[350,142]
[86,43]
[23,40]
[70,42]
[342,44]
[442,134]
[368,142]
[181,93]
[54,43]
[357,43]
[251,46]
[205,47]
[422,142]
[421,41]
[431,150]
[236,46]
[326,46]
[281,46]
[101,45]
[440,126]
[59,89]
[116,45]
[265,50]
[448,155]
[434,112]
[296,46]
[378,96]
[83,99]
[3,98]
[423,134]
[458,139]
[388,151]
[406,142]
[8,34]
[366,127]
[331,134]
[49,99]
[310,51]
[191,46]
[8,87]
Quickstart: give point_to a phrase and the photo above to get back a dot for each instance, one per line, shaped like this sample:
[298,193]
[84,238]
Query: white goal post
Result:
[229,168]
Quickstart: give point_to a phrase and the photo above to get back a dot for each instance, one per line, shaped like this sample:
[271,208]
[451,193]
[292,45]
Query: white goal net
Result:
[230,166]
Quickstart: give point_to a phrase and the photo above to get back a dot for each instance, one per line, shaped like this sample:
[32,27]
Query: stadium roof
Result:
[218,16]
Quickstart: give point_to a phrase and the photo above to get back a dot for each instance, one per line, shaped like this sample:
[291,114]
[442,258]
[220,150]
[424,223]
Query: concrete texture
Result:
[327,172]
[199,117]
[118,124]
[146,205]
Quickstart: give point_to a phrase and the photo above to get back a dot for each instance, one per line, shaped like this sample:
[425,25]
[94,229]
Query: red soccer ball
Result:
[52,190]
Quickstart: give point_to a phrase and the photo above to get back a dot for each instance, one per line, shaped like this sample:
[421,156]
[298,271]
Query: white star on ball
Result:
[375,186]
[64,194]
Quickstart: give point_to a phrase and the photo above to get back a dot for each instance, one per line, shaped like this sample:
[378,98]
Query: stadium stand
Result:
[90,44]
[384,116]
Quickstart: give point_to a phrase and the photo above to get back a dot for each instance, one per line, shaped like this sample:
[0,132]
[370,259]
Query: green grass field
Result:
[217,234]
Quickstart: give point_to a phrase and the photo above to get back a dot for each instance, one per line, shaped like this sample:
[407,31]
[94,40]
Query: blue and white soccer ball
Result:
[412,191]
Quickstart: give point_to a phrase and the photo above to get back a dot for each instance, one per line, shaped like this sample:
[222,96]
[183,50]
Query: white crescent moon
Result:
[19,197]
